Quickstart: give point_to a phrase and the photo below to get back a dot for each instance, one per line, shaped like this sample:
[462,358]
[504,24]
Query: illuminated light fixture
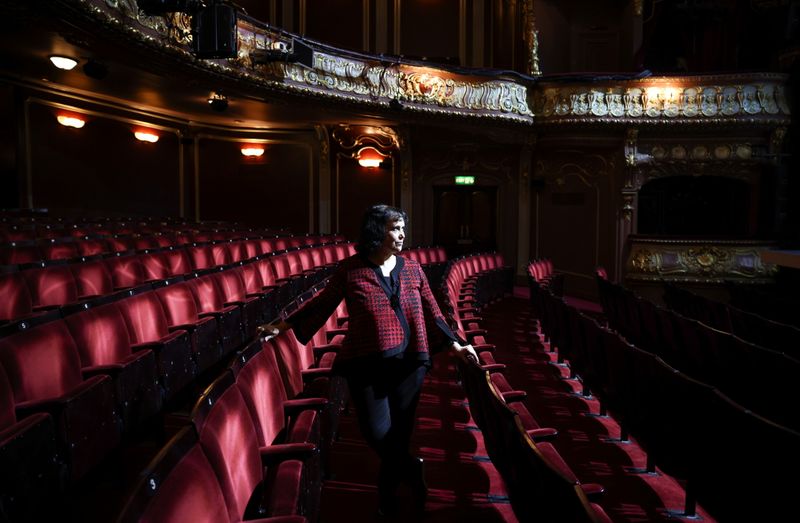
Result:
[63,62]
[369,157]
[218,101]
[465,180]
[68,120]
[146,136]
[252,150]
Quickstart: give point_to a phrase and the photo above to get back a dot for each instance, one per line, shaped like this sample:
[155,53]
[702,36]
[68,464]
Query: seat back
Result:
[51,286]
[177,261]
[92,278]
[179,485]
[179,303]
[17,301]
[228,437]
[207,293]
[126,271]
[258,379]
[101,335]
[41,362]
[144,316]
[154,266]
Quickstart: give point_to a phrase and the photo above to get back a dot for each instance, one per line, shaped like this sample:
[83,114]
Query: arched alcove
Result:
[697,206]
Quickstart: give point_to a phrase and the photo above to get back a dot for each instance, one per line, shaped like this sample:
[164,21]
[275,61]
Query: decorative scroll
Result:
[715,99]
[700,261]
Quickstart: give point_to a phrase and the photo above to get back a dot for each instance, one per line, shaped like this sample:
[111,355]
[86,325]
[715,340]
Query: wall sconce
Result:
[252,150]
[146,136]
[68,120]
[63,62]
[369,157]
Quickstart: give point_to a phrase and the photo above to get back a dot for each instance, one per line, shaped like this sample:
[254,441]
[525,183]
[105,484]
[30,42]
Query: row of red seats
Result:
[32,291]
[543,273]
[47,227]
[257,440]
[34,252]
[759,378]
[749,326]
[541,485]
[426,255]
[688,428]
[112,363]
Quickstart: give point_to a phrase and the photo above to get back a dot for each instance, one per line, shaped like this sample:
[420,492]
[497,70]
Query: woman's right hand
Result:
[270,330]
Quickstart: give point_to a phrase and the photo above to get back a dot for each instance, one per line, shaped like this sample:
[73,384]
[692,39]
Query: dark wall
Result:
[101,167]
[347,31]
[270,191]
[355,189]
[8,149]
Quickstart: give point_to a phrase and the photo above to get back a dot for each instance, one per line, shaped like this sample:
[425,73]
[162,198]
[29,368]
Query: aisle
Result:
[464,486]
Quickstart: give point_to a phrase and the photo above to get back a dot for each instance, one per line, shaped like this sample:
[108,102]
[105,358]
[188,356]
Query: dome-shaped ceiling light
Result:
[369,157]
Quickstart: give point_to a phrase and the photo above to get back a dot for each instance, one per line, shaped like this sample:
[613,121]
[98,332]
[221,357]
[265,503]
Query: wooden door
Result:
[465,219]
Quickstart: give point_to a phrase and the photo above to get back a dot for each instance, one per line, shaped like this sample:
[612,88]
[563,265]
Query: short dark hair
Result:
[373,226]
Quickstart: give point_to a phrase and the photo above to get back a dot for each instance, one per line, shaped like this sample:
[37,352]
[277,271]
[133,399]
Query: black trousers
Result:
[385,394]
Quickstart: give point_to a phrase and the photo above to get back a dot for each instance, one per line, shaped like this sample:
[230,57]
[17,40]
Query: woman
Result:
[394,326]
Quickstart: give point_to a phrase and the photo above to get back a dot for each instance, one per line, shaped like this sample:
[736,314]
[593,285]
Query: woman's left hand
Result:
[464,351]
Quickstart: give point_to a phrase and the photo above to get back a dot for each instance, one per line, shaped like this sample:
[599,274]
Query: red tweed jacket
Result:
[385,318]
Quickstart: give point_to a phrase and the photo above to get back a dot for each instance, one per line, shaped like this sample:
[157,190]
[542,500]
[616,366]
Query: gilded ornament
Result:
[722,152]
[678,152]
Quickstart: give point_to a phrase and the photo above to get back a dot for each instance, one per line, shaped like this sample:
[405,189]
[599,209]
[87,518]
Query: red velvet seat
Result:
[44,370]
[277,419]
[51,286]
[93,278]
[154,266]
[177,261]
[180,485]
[120,243]
[181,311]
[17,301]
[20,253]
[201,256]
[220,253]
[29,461]
[89,246]
[126,271]
[104,347]
[254,286]
[231,283]
[147,325]
[210,302]
[254,479]
[60,250]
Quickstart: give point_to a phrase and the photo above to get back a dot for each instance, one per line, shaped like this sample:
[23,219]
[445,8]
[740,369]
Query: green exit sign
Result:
[465,180]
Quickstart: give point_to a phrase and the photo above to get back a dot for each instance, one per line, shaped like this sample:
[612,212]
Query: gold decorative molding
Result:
[697,261]
[531,37]
[351,137]
[341,77]
[659,100]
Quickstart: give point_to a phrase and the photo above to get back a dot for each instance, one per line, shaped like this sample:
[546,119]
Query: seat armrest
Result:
[514,395]
[593,491]
[291,408]
[310,375]
[273,454]
[543,434]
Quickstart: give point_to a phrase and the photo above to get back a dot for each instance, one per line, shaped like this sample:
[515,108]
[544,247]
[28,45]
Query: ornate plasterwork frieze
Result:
[698,261]
[703,99]
[365,80]
[350,137]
